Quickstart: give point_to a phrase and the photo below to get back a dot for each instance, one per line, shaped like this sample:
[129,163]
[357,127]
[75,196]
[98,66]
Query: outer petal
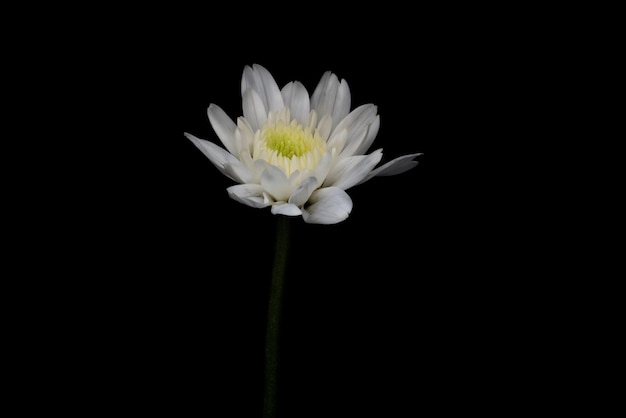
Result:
[325,94]
[276,183]
[286,209]
[224,127]
[240,172]
[327,206]
[342,102]
[352,170]
[356,122]
[372,131]
[303,192]
[325,126]
[331,97]
[323,167]
[253,109]
[248,194]
[217,155]
[316,97]
[396,166]
[260,80]
[296,98]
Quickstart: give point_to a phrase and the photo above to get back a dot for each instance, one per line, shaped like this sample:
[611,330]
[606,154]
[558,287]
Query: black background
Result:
[165,279]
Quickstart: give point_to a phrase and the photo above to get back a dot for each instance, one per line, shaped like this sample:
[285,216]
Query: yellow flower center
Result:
[289,140]
[289,146]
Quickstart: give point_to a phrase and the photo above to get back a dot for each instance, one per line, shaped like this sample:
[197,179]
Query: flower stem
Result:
[273,316]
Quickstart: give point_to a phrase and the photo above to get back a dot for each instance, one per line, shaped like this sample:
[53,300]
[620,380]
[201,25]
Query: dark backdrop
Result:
[174,275]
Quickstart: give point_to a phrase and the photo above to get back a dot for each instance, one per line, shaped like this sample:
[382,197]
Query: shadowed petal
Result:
[296,98]
[239,172]
[327,206]
[260,80]
[303,191]
[352,170]
[325,126]
[357,121]
[248,194]
[253,109]
[366,143]
[342,102]
[276,183]
[217,155]
[287,209]
[396,166]
[224,127]
[325,95]
[318,92]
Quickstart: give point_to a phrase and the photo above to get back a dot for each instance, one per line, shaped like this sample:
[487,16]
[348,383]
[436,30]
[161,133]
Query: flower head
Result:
[295,153]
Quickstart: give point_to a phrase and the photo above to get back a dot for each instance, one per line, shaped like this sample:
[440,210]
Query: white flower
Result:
[295,153]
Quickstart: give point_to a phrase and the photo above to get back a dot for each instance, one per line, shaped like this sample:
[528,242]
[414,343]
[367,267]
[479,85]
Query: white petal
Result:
[312,121]
[351,146]
[342,102]
[325,126]
[338,139]
[396,166]
[323,167]
[248,194]
[319,89]
[272,92]
[357,121]
[352,170]
[223,126]
[327,206]
[217,155]
[253,109]
[372,131]
[276,183]
[325,95]
[286,209]
[239,172]
[260,80]
[296,98]
[245,133]
[303,191]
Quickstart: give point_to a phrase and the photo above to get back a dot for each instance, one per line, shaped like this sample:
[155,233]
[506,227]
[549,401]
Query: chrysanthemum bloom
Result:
[295,153]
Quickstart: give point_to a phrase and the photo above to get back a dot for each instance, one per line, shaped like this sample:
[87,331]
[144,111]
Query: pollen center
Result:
[289,140]
[287,144]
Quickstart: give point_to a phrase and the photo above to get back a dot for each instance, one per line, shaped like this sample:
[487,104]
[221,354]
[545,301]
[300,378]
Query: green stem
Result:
[273,316]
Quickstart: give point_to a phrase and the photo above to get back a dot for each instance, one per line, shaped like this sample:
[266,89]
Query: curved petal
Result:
[253,109]
[325,126]
[217,155]
[327,206]
[323,167]
[244,135]
[303,191]
[276,183]
[296,98]
[351,147]
[350,171]
[287,209]
[396,166]
[331,97]
[325,94]
[260,80]
[239,172]
[319,89]
[357,121]
[248,194]
[223,126]
[342,102]
[338,140]
[366,143]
